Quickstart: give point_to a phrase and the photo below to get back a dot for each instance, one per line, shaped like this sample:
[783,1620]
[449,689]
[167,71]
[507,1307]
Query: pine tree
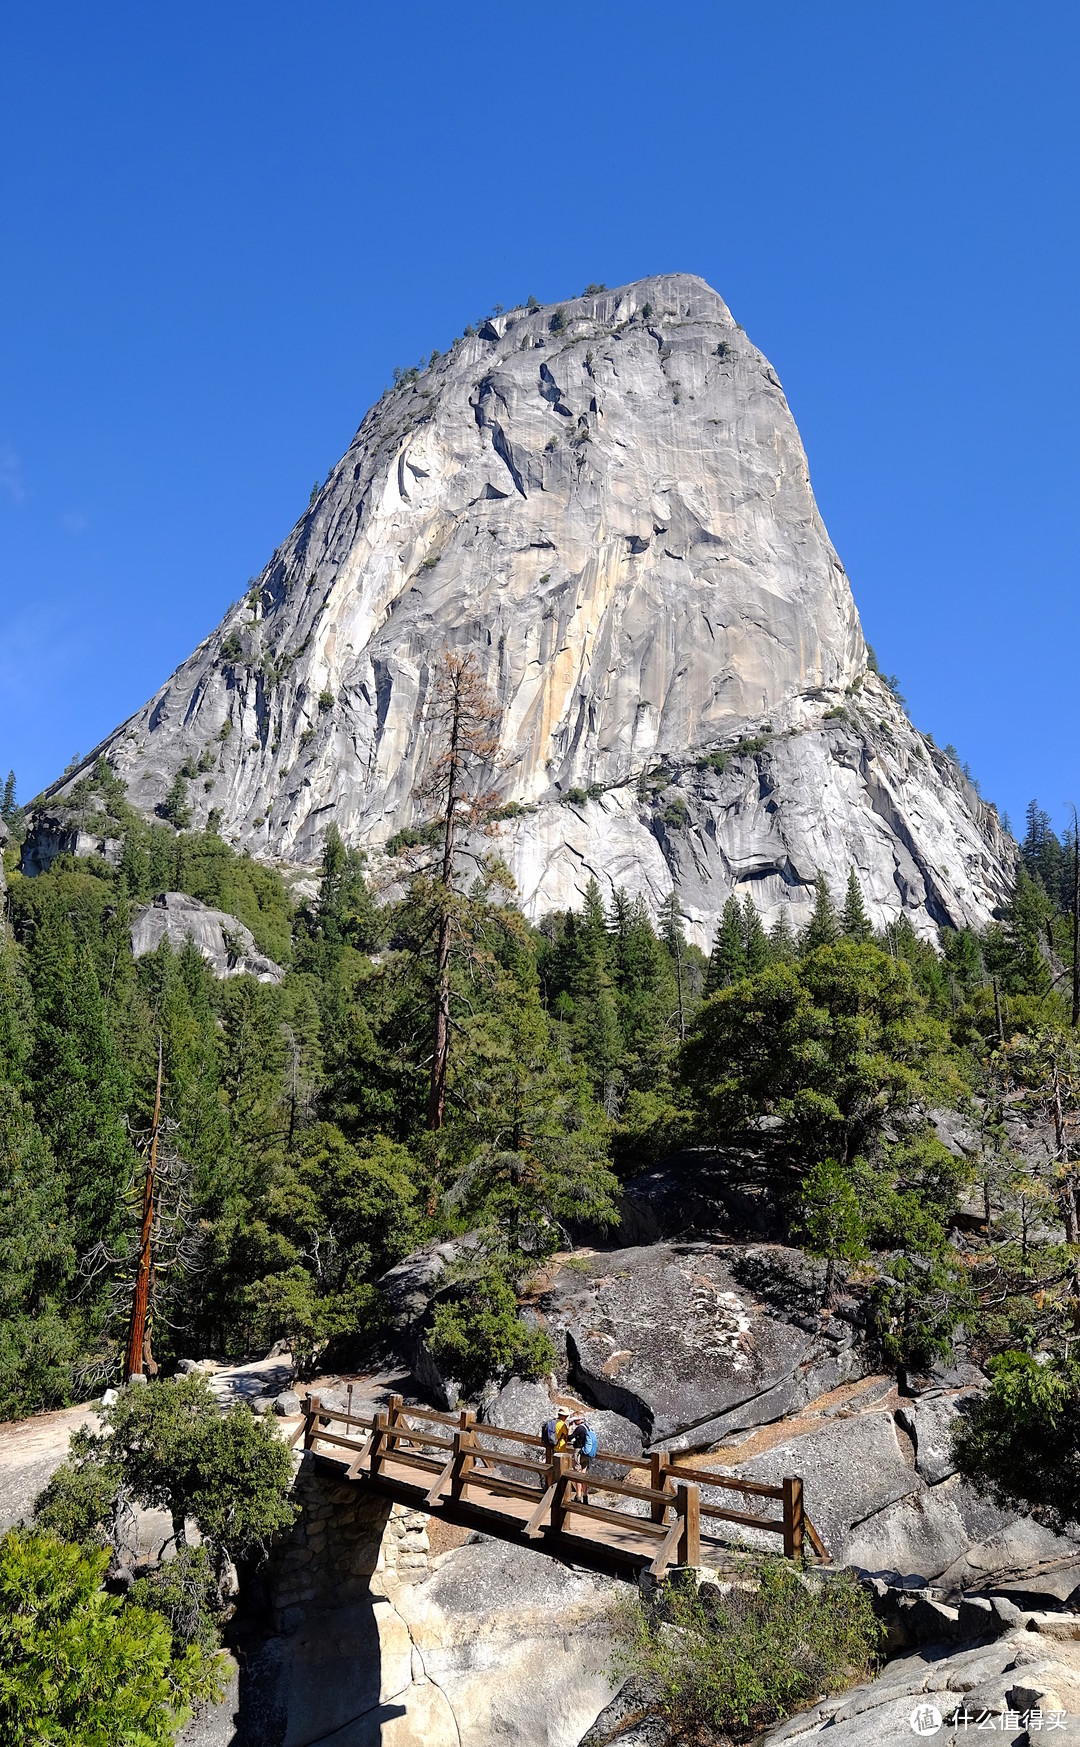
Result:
[755,941]
[81,1086]
[822,928]
[176,807]
[7,805]
[593,939]
[1014,953]
[671,933]
[854,922]
[37,1266]
[832,1223]
[783,946]
[619,920]
[597,1032]
[727,961]
[80,1665]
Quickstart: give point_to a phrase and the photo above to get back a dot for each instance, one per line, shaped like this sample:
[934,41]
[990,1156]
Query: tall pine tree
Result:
[727,961]
[822,928]
[854,922]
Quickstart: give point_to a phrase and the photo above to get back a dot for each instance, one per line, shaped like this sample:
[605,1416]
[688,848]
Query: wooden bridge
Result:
[454,1466]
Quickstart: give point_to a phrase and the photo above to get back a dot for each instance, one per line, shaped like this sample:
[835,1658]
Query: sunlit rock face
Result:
[609,504]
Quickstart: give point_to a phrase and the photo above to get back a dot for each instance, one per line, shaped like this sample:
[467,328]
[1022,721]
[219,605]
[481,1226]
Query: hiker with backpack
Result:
[583,1442]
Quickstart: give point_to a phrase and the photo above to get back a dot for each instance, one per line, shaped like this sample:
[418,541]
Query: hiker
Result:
[556,1432]
[584,1445]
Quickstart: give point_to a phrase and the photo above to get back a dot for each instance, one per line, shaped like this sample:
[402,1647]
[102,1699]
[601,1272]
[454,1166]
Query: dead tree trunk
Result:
[137,1359]
[467,713]
[1076,922]
[440,1054]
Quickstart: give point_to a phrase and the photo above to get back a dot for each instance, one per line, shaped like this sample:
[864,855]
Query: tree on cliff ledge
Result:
[462,718]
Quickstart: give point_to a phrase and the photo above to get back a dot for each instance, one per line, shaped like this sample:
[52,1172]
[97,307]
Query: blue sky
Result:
[224,226]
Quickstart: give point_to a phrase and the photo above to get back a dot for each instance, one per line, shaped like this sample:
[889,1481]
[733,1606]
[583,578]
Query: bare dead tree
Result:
[165,1248]
[1075,919]
[463,715]
[138,1359]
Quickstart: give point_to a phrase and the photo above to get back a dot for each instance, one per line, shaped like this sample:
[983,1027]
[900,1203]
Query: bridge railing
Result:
[464,1455]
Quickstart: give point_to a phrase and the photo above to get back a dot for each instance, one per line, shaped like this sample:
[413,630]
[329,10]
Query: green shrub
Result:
[557,322]
[82,1667]
[79,1502]
[1020,1443]
[326,701]
[674,813]
[414,837]
[576,797]
[186,1593]
[168,1446]
[306,737]
[480,1334]
[711,1660]
[232,649]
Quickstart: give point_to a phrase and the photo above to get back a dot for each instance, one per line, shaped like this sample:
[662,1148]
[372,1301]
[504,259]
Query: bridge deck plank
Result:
[626,1546]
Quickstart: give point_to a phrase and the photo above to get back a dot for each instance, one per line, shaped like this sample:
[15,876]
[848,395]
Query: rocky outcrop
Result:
[227,946]
[871,1496]
[60,831]
[695,1341]
[609,505]
[384,1638]
[1023,1686]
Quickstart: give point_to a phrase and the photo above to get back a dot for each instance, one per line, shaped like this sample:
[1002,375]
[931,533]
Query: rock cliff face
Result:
[609,504]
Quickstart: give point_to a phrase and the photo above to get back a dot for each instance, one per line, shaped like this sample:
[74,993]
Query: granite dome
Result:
[609,503]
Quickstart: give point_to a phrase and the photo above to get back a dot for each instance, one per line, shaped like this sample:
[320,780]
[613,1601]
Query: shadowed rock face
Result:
[609,504]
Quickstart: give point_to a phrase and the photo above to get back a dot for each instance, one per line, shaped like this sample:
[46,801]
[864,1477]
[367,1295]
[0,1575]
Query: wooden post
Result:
[392,1417]
[378,1440]
[793,1518]
[312,1404]
[688,1506]
[561,1471]
[658,1480]
[463,1459]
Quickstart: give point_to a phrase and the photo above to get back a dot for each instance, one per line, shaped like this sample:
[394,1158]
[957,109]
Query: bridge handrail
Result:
[726,1482]
[673,1485]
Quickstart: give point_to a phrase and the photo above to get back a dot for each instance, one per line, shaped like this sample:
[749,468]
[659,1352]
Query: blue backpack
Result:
[590,1446]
